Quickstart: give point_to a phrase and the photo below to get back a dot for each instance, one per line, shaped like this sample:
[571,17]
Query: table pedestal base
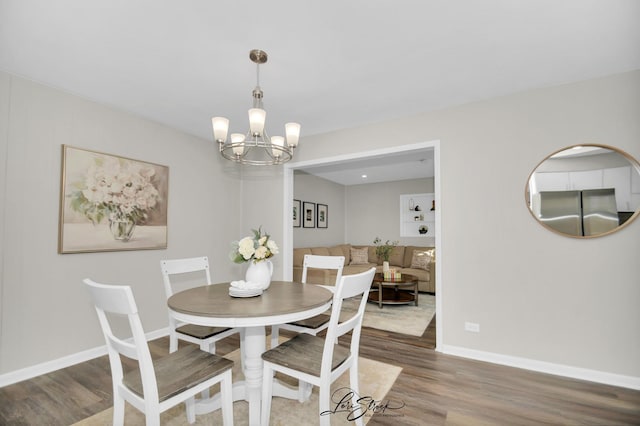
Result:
[250,389]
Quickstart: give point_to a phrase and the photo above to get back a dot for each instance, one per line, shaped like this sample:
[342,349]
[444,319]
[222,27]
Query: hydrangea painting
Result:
[111,203]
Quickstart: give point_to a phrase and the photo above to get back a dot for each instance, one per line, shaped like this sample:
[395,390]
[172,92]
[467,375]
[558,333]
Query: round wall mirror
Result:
[585,191]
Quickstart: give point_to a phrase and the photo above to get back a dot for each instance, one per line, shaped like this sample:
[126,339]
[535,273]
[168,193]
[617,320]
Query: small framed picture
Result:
[322,218]
[296,214]
[308,214]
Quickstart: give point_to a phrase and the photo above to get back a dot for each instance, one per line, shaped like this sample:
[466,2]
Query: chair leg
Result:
[118,410]
[226,395]
[267,393]
[304,391]
[324,402]
[354,384]
[190,405]
[173,342]
[275,331]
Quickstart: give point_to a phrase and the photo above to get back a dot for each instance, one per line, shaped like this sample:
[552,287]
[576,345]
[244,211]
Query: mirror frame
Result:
[632,161]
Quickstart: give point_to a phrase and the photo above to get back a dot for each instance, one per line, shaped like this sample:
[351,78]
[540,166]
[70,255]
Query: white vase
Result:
[385,266]
[260,272]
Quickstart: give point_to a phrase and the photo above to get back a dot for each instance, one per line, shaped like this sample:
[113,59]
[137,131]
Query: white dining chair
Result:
[160,384]
[315,324]
[318,361]
[205,337]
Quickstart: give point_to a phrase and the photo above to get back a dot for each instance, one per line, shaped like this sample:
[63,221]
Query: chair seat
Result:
[304,353]
[180,370]
[313,322]
[200,331]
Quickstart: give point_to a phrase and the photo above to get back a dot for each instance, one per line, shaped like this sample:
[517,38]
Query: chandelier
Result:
[256,147]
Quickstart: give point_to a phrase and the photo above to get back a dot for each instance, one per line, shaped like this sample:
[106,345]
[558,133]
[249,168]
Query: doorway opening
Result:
[345,160]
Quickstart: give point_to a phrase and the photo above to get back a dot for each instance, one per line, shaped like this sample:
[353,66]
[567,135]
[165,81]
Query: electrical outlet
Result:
[472,326]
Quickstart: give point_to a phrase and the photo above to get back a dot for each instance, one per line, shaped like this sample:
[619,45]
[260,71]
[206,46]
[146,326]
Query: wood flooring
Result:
[435,389]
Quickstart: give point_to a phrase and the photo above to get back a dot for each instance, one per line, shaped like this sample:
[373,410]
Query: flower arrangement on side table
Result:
[119,190]
[256,250]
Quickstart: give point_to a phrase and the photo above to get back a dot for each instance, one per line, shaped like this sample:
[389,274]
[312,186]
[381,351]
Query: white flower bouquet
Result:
[257,248]
[116,189]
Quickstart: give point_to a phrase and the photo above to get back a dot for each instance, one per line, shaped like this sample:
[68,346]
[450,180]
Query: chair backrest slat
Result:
[183,266]
[323,262]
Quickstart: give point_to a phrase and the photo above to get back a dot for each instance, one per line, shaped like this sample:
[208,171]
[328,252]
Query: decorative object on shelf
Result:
[297,222]
[412,204]
[322,215]
[423,229]
[433,205]
[256,147]
[418,209]
[308,214]
[383,251]
[256,250]
[122,192]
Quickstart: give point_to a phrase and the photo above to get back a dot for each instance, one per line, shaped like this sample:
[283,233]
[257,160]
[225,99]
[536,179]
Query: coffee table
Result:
[397,292]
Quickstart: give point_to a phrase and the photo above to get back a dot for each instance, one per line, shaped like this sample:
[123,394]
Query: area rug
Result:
[376,379]
[405,319]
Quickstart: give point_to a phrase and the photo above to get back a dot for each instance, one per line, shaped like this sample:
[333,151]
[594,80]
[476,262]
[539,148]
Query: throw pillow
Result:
[359,256]
[421,260]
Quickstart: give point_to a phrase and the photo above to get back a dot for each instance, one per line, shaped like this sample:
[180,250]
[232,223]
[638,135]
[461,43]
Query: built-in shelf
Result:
[417,211]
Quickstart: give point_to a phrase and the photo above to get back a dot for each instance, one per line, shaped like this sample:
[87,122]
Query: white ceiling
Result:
[333,64]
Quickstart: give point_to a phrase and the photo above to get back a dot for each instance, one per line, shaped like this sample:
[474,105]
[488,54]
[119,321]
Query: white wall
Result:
[45,312]
[536,295]
[373,210]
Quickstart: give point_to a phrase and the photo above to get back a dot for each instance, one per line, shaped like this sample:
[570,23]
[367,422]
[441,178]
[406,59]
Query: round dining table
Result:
[283,302]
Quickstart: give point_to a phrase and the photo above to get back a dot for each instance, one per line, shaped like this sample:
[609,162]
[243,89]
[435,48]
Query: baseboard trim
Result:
[596,376]
[64,362]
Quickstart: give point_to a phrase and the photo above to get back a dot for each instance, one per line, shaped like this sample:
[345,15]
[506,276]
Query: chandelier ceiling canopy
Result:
[255,147]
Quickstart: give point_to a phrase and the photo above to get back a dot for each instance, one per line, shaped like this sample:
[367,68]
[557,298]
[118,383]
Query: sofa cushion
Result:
[359,256]
[408,254]
[320,251]
[298,256]
[336,251]
[397,256]
[421,259]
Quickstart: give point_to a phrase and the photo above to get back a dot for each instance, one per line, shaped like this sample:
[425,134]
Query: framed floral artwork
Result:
[111,203]
[308,215]
[296,214]
[322,215]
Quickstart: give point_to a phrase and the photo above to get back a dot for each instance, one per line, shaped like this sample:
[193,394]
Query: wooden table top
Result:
[281,298]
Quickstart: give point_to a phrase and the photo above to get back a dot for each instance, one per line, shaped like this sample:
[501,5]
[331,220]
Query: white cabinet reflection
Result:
[585,191]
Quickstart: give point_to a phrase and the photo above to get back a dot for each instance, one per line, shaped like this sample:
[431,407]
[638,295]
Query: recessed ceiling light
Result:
[364,176]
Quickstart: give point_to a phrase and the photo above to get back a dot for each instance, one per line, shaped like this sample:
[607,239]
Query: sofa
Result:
[359,260]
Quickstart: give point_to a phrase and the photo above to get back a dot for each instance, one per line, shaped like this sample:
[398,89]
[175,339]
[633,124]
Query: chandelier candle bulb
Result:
[293,134]
[277,141]
[220,128]
[257,118]
[237,138]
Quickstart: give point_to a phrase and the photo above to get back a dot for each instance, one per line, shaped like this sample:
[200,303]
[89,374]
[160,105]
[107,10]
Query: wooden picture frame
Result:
[297,214]
[308,214]
[111,203]
[322,215]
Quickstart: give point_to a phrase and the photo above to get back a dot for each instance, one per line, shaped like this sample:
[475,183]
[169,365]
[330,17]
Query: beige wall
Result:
[373,210]
[316,190]
[536,295]
[45,312]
